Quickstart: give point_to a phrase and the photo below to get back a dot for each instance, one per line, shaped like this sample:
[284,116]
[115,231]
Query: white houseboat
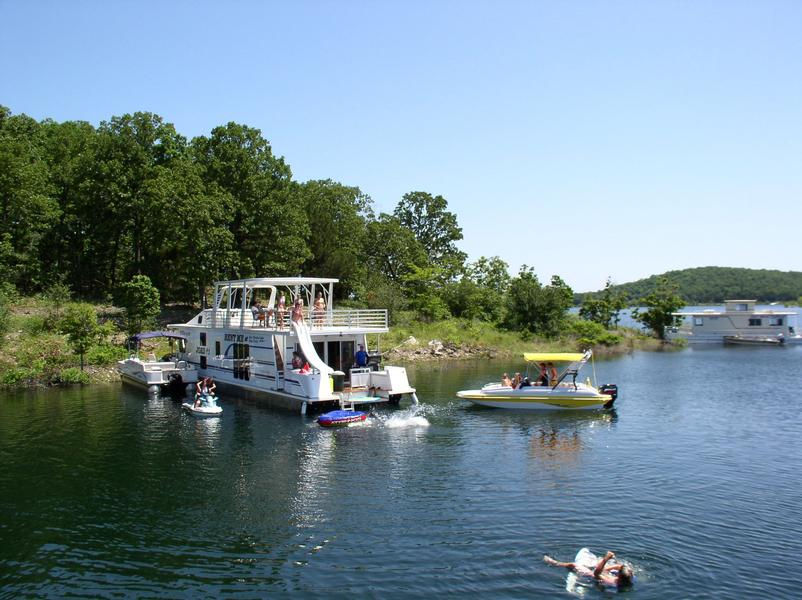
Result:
[740,320]
[248,339]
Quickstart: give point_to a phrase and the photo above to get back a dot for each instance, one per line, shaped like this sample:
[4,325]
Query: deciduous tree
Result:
[661,303]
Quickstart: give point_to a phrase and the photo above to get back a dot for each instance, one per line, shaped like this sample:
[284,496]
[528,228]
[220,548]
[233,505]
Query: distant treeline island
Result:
[92,213]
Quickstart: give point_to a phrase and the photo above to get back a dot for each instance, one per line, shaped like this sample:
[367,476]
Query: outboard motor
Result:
[611,390]
[175,385]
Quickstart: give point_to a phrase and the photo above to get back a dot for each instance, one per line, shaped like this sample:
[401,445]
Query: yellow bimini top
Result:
[553,356]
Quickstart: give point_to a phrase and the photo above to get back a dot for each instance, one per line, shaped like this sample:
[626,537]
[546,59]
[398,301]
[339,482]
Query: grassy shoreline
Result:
[456,339]
[35,354]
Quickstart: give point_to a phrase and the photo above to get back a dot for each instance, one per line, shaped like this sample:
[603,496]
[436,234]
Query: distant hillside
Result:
[703,285]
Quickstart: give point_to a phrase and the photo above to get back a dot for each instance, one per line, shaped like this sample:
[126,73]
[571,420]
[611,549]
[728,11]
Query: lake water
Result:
[694,479]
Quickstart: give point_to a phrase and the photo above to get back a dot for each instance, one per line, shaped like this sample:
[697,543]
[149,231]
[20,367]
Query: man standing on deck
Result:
[361,357]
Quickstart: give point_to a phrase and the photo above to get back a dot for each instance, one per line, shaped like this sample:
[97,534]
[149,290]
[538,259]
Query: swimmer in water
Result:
[619,575]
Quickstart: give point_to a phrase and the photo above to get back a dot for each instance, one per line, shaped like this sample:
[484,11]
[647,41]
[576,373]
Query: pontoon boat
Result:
[171,372]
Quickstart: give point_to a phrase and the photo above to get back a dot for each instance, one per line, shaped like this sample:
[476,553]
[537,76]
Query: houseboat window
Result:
[347,352]
[217,348]
[203,362]
[200,319]
[320,348]
[334,357]
[742,307]
[776,321]
[203,338]
[242,353]
[755,322]
[698,321]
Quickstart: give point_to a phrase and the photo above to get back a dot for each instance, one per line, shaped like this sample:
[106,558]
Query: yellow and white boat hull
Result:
[561,397]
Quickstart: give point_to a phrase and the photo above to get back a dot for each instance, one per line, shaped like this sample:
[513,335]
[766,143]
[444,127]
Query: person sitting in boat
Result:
[615,574]
[552,374]
[516,381]
[298,311]
[543,378]
[506,381]
[258,312]
[297,361]
[204,387]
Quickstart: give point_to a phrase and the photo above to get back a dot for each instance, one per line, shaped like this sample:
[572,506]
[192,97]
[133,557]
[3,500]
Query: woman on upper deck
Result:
[319,309]
[298,311]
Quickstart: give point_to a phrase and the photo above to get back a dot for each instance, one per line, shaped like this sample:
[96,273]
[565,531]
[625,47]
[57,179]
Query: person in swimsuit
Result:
[281,307]
[319,309]
[619,575]
[298,311]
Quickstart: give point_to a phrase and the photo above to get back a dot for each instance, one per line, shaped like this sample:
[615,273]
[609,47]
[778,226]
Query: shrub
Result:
[590,333]
[72,375]
[105,354]
[17,376]
[35,324]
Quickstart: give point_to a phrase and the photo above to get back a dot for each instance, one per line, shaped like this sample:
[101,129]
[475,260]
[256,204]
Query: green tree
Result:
[479,294]
[435,228]
[392,249]
[423,293]
[661,303]
[26,199]
[337,216]
[189,240]
[604,308]
[268,224]
[140,301]
[533,308]
[82,329]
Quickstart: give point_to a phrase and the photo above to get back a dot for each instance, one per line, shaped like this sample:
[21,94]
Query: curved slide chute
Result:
[308,348]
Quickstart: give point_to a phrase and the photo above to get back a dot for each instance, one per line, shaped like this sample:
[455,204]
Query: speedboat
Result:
[208,406]
[563,393]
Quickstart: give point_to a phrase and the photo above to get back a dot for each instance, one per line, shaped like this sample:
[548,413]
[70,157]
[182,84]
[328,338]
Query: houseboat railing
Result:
[335,319]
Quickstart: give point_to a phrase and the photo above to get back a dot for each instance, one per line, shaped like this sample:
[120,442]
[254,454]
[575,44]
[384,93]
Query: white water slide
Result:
[308,348]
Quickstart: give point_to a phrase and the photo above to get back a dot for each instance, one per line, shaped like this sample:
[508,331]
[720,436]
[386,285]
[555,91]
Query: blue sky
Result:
[587,139]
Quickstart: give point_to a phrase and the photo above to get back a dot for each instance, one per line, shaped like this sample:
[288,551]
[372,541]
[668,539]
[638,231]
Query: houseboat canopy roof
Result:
[277,281]
[722,313]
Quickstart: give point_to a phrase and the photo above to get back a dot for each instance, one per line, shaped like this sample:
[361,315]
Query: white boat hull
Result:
[584,397]
[202,411]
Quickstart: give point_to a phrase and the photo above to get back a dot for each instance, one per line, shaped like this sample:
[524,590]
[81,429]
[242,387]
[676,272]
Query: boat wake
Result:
[411,417]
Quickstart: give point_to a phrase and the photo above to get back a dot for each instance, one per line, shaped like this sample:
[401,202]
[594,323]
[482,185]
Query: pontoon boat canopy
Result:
[553,356]
[146,335]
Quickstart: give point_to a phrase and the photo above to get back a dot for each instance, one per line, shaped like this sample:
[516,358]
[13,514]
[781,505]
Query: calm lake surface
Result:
[694,479]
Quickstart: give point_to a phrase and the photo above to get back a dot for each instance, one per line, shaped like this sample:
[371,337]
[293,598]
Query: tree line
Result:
[713,285]
[88,208]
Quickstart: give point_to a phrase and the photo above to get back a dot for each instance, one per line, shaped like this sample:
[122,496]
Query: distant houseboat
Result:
[740,319]
[250,338]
